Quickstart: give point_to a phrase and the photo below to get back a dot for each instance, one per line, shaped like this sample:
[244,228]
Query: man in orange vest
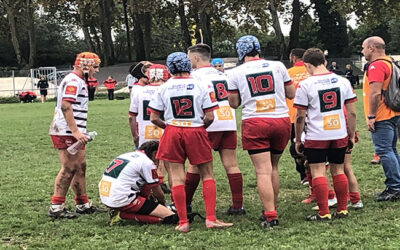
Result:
[382,121]
[110,83]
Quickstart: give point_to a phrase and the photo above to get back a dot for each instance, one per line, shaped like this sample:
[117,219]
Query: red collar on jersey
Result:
[205,66]
[322,74]
[255,59]
[301,63]
[78,75]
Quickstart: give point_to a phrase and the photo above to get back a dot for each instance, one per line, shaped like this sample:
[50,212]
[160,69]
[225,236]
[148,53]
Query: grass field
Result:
[29,165]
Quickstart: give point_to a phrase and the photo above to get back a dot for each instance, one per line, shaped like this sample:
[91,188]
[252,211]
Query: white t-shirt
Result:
[184,101]
[224,117]
[323,96]
[125,177]
[139,102]
[261,85]
[73,89]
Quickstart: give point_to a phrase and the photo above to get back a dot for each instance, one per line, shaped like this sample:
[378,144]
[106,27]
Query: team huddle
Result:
[187,108]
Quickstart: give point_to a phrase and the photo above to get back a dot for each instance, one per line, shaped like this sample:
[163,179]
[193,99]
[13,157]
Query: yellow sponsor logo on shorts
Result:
[181,123]
[224,113]
[265,105]
[331,122]
[104,188]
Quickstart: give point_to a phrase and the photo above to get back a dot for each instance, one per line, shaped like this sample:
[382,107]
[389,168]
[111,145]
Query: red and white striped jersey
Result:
[261,85]
[224,117]
[184,101]
[72,89]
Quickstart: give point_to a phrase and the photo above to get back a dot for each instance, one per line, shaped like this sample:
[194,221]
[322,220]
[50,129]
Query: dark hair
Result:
[149,147]
[203,49]
[314,56]
[297,52]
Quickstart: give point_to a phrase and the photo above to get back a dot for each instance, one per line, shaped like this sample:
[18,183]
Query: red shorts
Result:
[134,206]
[63,141]
[266,133]
[223,140]
[327,144]
[179,143]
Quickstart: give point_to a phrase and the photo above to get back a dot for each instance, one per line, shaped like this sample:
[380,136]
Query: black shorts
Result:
[332,155]
[147,207]
[43,92]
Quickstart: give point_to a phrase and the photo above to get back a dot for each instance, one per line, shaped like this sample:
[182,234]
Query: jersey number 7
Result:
[182,107]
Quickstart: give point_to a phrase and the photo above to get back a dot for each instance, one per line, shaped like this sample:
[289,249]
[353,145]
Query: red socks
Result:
[178,192]
[341,186]
[236,185]
[82,199]
[209,196]
[191,183]
[320,187]
[271,215]
[354,197]
[140,217]
[331,194]
[57,200]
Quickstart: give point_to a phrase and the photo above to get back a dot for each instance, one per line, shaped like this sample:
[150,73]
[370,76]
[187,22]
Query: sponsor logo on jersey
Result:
[154,174]
[265,65]
[190,86]
[212,97]
[70,90]
[334,80]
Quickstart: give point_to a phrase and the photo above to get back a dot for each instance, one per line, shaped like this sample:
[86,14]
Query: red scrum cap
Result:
[157,72]
[85,60]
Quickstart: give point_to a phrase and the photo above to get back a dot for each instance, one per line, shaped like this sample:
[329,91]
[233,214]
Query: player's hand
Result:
[136,141]
[81,137]
[350,145]
[371,125]
[299,148]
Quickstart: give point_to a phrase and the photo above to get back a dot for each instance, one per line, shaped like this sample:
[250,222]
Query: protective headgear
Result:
[157,72]
[85,60]
[216,61]
[247,44]
[138,70]
[178,62]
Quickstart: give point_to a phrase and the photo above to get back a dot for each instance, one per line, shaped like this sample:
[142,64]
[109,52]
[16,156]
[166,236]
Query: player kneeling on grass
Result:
[188,110]
[127,184]
[321,97]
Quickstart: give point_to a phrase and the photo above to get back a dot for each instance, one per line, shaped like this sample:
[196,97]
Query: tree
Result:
[31,33]
[184,25]
[106,18]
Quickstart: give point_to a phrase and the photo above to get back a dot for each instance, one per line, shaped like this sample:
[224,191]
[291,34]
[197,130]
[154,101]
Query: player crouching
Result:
[126,186]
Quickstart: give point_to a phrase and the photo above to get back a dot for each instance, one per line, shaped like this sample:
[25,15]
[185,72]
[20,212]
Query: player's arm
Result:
[290,91]
[208,118]
[133,127]
[156,119]
[375,92]
[66,108]
[299,129]
[234,99]
[158,194]
[351,122]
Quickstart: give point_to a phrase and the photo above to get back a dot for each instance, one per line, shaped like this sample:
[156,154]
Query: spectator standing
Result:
[92,83]
[110,83]
[382,121]
[43,84]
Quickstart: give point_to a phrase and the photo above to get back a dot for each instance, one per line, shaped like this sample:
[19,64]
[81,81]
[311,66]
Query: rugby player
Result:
[261,86]
[221,133]
[188,111]
[322,97]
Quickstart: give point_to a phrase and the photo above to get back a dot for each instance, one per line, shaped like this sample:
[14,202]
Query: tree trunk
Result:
[184,26]
[128,35]
[97,40]
[83,11]
[138,37]
[147,34]
[295,26]
[105,7]
[280,40]
[204,25]
[31,34]
[14,37]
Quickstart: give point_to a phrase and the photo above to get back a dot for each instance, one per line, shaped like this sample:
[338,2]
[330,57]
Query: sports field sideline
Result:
[29,165]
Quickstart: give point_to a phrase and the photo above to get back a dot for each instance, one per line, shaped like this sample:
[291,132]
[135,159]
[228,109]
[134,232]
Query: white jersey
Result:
[184,101]
[323,96]
[73,89]
[139,102]
[261,85]
[125,177]
[130,80]
[224,117]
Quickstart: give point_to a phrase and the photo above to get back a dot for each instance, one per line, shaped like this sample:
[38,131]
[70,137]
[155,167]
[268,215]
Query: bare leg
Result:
[78,184]
[275,175]
[263,168]
[66,173]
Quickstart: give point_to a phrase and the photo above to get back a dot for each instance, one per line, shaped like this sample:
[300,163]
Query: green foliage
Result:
[30,164]
[12,99]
